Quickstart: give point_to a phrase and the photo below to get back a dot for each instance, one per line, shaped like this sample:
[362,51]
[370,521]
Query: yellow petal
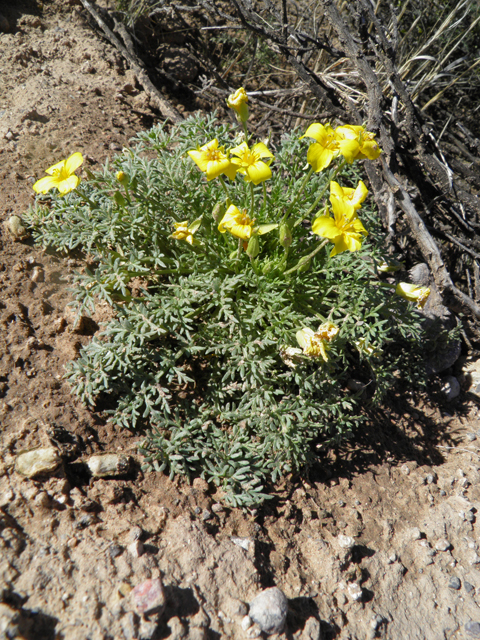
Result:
[55,168]
[199,158]
[240,150]
[370,150]
[325,227]
[45,184]
[215,168]
[262,150]
[349,149]
[71,183]
[259,172]
[315,131]
[73,162]
[319,157]
[342,210]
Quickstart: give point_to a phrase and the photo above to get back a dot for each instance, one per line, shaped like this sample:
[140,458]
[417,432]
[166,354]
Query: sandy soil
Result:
[379,541]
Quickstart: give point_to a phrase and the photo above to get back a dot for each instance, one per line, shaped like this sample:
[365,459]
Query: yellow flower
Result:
[184,232]
[249,162]
[61,176]
[321,153]
[238,102]
[237,222]
[345,229]
[355,143]
[212,161]
[315,343]
[413,293]
[353,196]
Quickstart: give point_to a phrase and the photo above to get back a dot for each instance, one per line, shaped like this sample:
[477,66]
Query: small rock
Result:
[475,559]
[405,470]
[72,543]
[346,542]
[9,621]
[245,543]
[471,437]
[254,631]
[443,545]
[454,583]
[269,610]
[207,515]
[38,274]
[415,533]
[149,597]
[42,499]
[473,629]
[431,478]
[6,497]
[246,623]
[355,591]
[311,630]
[109,464]
[114,550]
[135,533]
[450,388]
[468,587]
[17,228]
[38,462]
[218,508]
[136,549]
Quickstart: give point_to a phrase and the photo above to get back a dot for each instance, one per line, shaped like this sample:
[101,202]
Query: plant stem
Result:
[252,200]
[322,192]
[224,186]
[299,193]
[306,259]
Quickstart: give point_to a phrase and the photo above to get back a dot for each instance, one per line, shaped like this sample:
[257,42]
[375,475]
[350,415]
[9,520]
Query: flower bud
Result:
[121,177]
[304,264]
[285,235]
[253,247]
[218,211]
[238,102]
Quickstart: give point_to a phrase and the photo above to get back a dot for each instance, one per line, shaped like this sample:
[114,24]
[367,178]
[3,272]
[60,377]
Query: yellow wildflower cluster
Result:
[345,229]
[352,142]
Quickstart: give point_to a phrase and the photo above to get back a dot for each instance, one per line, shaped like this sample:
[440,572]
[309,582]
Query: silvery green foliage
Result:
[193,352]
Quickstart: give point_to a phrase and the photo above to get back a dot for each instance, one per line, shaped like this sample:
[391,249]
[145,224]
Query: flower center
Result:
[214,155]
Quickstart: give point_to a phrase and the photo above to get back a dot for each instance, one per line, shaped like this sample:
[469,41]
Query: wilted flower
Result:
[315,343]
[238,101]
[355,143]
[291,356]
[212,161]
[61,176]
[321,153]
[249,162]
[413,293]
[345,229]
[184,232]
[237,222]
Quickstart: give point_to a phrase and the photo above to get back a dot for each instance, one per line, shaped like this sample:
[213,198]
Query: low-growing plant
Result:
[249,286]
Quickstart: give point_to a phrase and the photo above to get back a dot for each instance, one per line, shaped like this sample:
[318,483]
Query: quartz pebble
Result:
[355,591]
[245,543]
[269,610]
[246,623]
[149,597]
[346,542]
[108,464]
[38,462]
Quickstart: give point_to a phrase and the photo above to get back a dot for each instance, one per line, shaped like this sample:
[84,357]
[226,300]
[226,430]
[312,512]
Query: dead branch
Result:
[136,65]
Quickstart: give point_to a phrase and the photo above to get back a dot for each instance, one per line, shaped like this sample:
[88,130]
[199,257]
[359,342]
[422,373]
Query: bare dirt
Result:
[380,540]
